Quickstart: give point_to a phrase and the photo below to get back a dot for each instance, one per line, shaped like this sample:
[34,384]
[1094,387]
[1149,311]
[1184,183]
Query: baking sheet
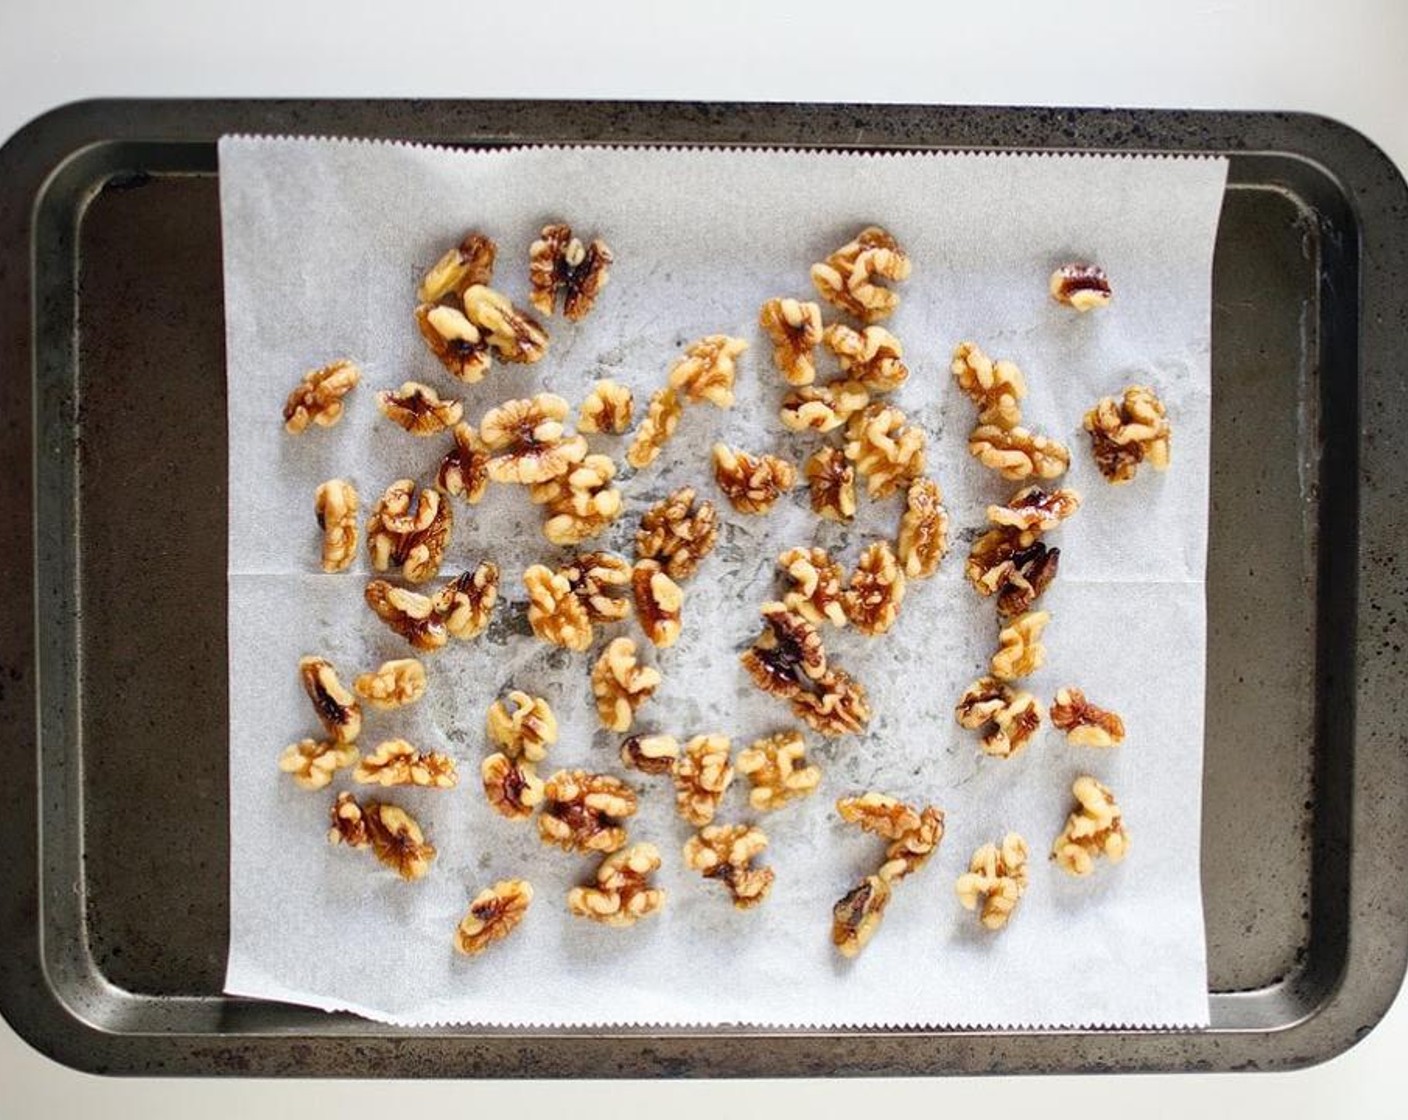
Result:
[324,242]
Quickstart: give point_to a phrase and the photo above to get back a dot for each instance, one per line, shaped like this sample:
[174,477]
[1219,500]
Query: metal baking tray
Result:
[112,631]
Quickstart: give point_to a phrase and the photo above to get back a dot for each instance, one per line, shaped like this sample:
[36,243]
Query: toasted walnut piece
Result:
[1019,649]
[418,409]
[514,335]
[678,532]
[621,684]
[726,852]
[607,409]
[1095,829]
[313,763]
[528,441]
[832,480]
[392,833]
[910,851]
[409,532]
[397,763]
[795,328]
[662,417]
[923,536]
[822,408]
[583,812]
[1014,566]
[1033,510]
[460,609]
[1127,432]
[1007,718]
[702,776]
[886,449]
[659,602]
[839,706]
[706,370]
[752,484]
[525,732]
[335,505]
[1081,286]
[777,770]
[997,388]
[317,399]
[393,685]
[470,262]
[857,916]
[1085,724]
[816,585]
[580,504]
[1017,454]
[871,357]
[600,581]
[336,708]
[880,814]
[872,598]
[787,656]
[493,915]
[554,611]
[511,786]
[622,893]
[997,875]
[464,471]
[557,261]
[461,347]
[349,823]
[650,754]
[846,279]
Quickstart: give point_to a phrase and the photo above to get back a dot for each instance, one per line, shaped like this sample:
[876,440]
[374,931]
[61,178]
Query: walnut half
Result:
[409,532]
[514,335]
[923,535]
[527,730]
[872,598]
[659,602]
[418,409]
[393,685]
[559,262]
[607,409]
[650,754]
[1020,652]
[837,705]
[1094,829]
[997,388]
[554,611]
[1127,432]
[393,834]
[752,484]
[584,812]
[886,449]
[336,708]
[702,776]
[816,592]
[335,506]
[397,763]
[662,417]
[493,915]
[1006,717]
[777,770]
[580,504]
[621,893]
[1085,724]
[997,875]
[795,328]
[469,262]
[313,763]
[706,370]
[621,684]
[678,533]
[832,480]
[847,278]
[511,786]
[871,357]
[1013,565]
[528,441]
[1083,287]
[857,916]
[317,399]
[460,609]
[726,853]
[1017,453]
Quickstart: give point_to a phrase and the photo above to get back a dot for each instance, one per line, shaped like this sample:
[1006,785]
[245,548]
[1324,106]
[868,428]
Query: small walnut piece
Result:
[461,347]
[470,262]
[464,471]
[1032,510]
[871,357]
[777,771]
[822,408]
[751,484]
[726,852]
[997,388]
[678,533]
[336,708]
[621,894]
[795,328]
[393,685]
[317,399]
[1127,432]
[706,371]
[997,875]
[832,480]
[514,335]
[857,916]
[335,505]
[659,602]
[392,833]
[880,814]
[528,441]
[554,611]
[1017,453]
[838,705]
[1013,565]
[409,532]
[911,850]
[702,775]
[1094,829]
[872,598]
[662,417]
[1081,286]
[313,763]
[816,592]
[349,823]
[847,278]
[512,786]
[583,812]
[923,536]
[1019,649]
[600,580]
[607,409]
[527,730]
[1007,718]
[621,684]
[650,754]
[397,763]
[493,915]
[1085,725]
[580,504]
[460,609]
[557,261]
[787,656]
[886,449]
[418,409]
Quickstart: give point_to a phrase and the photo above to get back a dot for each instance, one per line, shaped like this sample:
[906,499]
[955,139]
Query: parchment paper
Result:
[324,242]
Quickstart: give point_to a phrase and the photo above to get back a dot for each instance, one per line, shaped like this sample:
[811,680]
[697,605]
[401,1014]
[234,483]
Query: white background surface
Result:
[1343,60]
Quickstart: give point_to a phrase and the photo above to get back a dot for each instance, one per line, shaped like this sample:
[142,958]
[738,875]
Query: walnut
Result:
[528,441]
[838,706]
[662,417]
[1125,433]
[886,448]
[702,776]
[1032,510]
[997,388]
[726,852]
[1085,725]
[409,531]
[621,894]
[559,261]
[822,408]
[923,536]
[879,814]
[659,602]
[871,357]
[461,347]
[392,834]
[752,484]
[464,471]
[816,585]
[512,786]
[460,609]
[554,611]
[493,915]
[787,656]
[1017,453]
[393,685]
[1007,718]
[607,409]
[621,684]
[706,370]
[525,732]
[470,262]
[795,328]
[832,480]
[678,532]
[514,335]
[846,279]
[1081,286]
[1014,566]
[336,708]
[777,770]
[397,763]
[1095,828]
[335,505]
[313,763]
[650,754]
[872,598]
[1019,649]
[857,916]
[999,876]
[583,812]
[418,409]
[317,399]
[580,504]
[599,580]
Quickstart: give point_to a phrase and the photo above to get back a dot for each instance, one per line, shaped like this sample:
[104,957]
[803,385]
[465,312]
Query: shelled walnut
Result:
[822,408]
[857,916]
[514,335]
[997,388]
[1017,453]
[511,786]
[559,262]
[879,814]
[1033,510]
[702,776]
[464,471]
[393,834]
[876,589]
[832,480]
[461,347]
[678,533]
[923,535]
[778,771]
[788,656]
[460,609]
[795,329]
[336,708]
[493,915]
[409,531]
[1012,565]
[872,357]
[1006,717]
[621,684]
[419,409]
[659,602]
[997,875]
[662,417]
[816,592]
[1127,432]
[313,763]
[1083,287]
[528,442]
[847,278]
[706,370]
[913,836]
[650,754]
[1094,829]
[397,763]
[317,399]
[335,506]
[469,262]
[726,852]
[583,812]
[555,613]
[752,484]
[910,851]
[1019,649]
[600,581]
[580,504]
[607,409]
[837,706]
[886,448]
[1085,724]
[621,893]
[393,685]
[526,731]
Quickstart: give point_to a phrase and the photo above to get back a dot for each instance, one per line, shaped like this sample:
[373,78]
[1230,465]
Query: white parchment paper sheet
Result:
[324,242]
